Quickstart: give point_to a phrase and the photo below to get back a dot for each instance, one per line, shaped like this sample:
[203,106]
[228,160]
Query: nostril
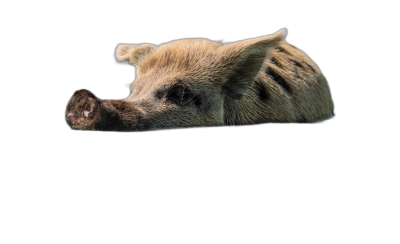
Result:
[69,116]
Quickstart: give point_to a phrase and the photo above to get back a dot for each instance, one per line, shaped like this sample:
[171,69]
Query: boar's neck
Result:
[288,88]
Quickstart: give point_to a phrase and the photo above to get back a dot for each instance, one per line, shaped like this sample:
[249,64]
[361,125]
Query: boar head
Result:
[183,83]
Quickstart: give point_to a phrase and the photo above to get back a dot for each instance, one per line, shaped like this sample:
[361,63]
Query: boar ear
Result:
[243,61]
[134,53]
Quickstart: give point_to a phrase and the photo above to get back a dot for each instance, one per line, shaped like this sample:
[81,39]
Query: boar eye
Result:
[179,94]
[182,95]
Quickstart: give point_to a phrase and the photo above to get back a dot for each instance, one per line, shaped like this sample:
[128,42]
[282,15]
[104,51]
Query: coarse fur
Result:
[288,88]
[197,82]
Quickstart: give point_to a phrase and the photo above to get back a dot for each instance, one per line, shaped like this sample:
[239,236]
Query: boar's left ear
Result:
[243,60]
[136,54]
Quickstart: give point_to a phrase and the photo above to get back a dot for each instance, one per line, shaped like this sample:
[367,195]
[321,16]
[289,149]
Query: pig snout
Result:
[86,112]
[82,110]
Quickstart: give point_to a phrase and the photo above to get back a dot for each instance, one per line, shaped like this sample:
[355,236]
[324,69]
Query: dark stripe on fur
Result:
[283,51]
[279,80]
[261,90]
[296,63]
[275,62]
[309,66]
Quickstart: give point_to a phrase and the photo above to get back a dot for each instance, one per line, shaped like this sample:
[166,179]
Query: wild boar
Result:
[197,82]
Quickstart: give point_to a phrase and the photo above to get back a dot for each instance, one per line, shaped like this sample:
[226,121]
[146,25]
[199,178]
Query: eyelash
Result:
[181,95]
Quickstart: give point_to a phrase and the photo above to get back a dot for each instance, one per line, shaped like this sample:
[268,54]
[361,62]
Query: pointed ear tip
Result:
[283,33]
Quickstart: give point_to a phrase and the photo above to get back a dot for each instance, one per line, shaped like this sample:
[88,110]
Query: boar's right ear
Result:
[136,54]
[243,60]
